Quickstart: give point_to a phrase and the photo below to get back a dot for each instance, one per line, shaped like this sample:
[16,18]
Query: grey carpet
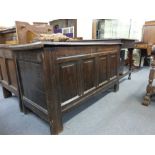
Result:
[112,113]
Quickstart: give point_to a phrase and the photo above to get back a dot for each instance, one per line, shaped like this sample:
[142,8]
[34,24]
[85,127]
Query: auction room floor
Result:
[113,113]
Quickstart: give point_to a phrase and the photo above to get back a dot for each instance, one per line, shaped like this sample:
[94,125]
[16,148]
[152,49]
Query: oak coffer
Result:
[56,76]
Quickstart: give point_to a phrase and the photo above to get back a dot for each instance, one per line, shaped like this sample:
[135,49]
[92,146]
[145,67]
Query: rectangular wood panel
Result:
[89,72]
[1,77]
[4,71]
[8,72]
[12,72]
[68,80]
[103,69]
[32,85]
[113,65]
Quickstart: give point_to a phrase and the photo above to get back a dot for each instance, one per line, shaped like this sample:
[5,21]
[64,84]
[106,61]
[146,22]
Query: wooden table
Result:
[57,76]
[147,42]
[129,45]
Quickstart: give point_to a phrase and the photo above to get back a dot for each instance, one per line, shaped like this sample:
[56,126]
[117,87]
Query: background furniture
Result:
[26,33]
[150,89]
[23,33]
[147,41]
[8,36]
[129,45]
[8,72]
[57,76]
[8,76]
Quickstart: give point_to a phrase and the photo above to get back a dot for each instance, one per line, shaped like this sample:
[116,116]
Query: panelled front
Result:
[83,73]
[4,70]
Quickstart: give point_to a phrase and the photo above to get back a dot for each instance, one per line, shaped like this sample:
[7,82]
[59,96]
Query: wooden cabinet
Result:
[56,76]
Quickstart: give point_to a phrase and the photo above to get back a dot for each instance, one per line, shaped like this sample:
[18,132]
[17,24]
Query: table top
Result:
[42,44]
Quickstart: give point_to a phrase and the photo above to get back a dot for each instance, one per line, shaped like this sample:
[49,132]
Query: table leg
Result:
[140,61]
[130,56]
[150,89]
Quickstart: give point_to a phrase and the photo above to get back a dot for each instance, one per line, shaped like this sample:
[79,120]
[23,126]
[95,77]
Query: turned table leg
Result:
[130,56]
[149,89]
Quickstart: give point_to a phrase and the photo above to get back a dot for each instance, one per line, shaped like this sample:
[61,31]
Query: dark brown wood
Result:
[127,44]
[8,71]
[55,77]
[6,92]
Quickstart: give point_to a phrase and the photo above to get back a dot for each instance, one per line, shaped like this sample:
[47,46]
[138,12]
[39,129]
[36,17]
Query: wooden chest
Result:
[56,76]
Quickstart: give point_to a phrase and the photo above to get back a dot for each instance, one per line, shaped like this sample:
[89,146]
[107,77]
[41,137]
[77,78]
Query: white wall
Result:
[47,10]
[84,28]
